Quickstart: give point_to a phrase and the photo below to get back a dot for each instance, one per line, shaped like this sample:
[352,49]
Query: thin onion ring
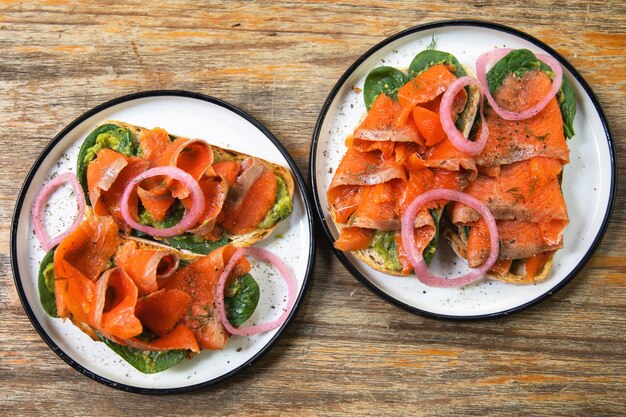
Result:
[42,197]
[445,114]
[408,238]
[481,70]
[191,215]
[284,271]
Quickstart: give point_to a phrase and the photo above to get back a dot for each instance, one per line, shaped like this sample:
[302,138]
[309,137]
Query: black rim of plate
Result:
[27,183]
[437,25]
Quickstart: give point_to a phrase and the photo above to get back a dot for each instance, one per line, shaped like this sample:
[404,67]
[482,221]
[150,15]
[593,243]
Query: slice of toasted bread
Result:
[284,173]
[458,242]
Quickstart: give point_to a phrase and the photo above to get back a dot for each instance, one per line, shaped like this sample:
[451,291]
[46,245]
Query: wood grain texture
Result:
[348,352]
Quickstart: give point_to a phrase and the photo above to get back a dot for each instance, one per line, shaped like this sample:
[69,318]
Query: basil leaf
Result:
[430,58]
[45,283]
[241,297]
[148,362]
[383,79]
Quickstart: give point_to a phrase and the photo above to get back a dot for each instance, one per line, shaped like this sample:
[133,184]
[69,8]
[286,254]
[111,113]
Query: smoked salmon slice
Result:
[214,190]
[369,168]
[162,310]
[154,143]
[107,177]
[423,235]
[540,135]
[179,338]
[114,306]
[380,123]
[354,238]
[426,87]
[199,280]
[244,214]
[518,240]
[146,266]
[79,260]
[516,194]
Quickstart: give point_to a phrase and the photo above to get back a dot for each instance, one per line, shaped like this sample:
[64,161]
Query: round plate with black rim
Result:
[589,180]
[189,115]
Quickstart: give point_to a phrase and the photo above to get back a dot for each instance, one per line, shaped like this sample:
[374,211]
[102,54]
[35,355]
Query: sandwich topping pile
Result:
[477,160]
[156,264]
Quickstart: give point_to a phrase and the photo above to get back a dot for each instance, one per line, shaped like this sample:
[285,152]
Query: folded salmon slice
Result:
[146,266]
[446,156]
[107,177]
[422,235]
[214,190]
[540,135]
[354,238]
[193,156]
[520,192]
[518,240]
[380,123]
[344,200]
[199,280]
[79,260]
[366,168]
[249,201]
[114,306]
[162,310]
[179,338]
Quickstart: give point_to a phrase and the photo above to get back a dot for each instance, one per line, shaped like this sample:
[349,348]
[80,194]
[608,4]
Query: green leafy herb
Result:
[148,362]
[430,58]
[517,62]
[567,102]
[282,208]
[45,283]
[433,44]
[241,297]
[538,137]
[517,195]
[383,79]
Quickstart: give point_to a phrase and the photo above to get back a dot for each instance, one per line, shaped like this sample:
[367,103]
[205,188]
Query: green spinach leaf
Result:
[567,102]
[148,362]
[519,62]
[45,283]
[241,297]
[195,244]
[383,79]
[430,58]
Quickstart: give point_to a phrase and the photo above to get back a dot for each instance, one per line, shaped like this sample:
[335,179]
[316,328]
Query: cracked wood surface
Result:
[347,352]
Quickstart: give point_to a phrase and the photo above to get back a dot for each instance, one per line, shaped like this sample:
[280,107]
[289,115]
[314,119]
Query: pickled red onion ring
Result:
[445,114]
[42,198]
[191,215]
[481,70]
[284,271]
[408,238]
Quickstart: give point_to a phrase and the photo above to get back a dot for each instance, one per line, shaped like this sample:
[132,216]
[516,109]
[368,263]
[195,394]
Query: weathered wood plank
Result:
[348,352]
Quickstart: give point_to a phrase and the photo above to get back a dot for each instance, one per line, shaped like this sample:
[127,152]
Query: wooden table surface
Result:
[347,352]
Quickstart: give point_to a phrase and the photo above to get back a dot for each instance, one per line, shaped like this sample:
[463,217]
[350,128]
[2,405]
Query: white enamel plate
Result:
[589,180]
[185,114]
